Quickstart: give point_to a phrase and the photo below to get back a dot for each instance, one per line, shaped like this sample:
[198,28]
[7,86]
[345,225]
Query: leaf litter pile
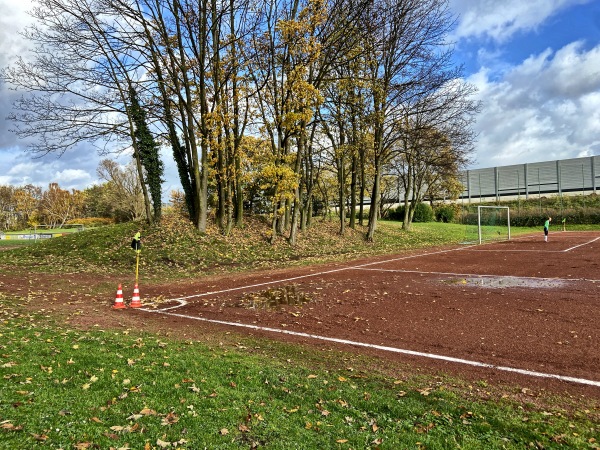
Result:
[288,295]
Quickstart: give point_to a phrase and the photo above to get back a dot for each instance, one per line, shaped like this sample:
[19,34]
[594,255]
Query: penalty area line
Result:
[309,275]
[387,349]
[581,245]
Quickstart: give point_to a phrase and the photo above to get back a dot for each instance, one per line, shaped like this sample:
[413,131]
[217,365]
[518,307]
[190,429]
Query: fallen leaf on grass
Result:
[169,419]
[10,427]
[162,444]
[39,437]
[148,412]
[421,429]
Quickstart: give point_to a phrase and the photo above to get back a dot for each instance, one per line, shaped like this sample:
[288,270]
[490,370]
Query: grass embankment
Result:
[175,250]
[63,387]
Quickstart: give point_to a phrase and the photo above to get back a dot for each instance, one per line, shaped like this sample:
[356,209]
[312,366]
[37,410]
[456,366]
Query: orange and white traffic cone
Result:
[119,304]
[135,300]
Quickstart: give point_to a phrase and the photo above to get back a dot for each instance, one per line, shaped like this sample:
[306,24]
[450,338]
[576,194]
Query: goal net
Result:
[492,224]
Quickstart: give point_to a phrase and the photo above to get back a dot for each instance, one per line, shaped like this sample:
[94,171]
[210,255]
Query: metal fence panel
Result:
[576,175]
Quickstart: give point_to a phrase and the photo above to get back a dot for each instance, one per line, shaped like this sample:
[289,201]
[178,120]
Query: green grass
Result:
[12,243]
[66,387]
[72,389]
[11,238]
[175,250]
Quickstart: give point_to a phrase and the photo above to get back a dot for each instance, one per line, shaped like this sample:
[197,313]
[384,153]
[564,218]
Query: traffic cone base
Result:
[135,300]
[119,304]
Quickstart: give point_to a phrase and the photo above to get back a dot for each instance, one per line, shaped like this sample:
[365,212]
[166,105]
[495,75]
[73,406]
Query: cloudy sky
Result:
[536,64]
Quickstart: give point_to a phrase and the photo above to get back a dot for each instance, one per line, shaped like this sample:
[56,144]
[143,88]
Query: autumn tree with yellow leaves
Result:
[251,100]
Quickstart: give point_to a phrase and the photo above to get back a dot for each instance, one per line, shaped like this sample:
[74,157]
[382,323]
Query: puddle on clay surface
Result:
[274,298]
[507,282]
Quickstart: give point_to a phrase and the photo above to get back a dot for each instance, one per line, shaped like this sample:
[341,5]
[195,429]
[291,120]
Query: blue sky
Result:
[536,64]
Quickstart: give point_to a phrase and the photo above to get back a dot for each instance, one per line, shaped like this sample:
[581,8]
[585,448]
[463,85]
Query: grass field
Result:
[125,388]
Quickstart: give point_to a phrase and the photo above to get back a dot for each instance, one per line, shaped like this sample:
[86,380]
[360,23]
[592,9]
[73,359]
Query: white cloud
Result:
[14,18]
[546,108]
[572,72]
[20,169]
[69,176]
[500,20]
[76,168]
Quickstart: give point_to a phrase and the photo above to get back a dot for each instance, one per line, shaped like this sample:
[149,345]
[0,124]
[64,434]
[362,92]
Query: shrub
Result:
[89,222]
[423,213]
[444,213]
[396,214]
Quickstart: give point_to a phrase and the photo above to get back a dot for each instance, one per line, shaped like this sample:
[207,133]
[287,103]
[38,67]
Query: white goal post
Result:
[493,222]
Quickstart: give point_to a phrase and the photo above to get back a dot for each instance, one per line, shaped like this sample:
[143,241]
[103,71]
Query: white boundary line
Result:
[533,250]
[580,245]
[360,266]
[508,250]
[182,302]
[315,274]
[388,349]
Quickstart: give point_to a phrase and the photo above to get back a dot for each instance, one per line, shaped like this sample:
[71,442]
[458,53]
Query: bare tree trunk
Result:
[375,199]
[353,179]
[361,212]
[296,202]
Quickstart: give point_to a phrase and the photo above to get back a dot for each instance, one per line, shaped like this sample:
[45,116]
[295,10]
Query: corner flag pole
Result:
[136,244]
[137,265]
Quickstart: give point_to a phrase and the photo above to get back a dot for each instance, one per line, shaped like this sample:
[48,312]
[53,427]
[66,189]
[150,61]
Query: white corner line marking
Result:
[581,245]
[389,349]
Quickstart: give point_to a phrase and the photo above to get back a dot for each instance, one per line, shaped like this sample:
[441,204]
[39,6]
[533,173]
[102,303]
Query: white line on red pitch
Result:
[388,349]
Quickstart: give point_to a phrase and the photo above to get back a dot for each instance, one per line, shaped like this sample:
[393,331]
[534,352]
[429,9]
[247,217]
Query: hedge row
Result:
[584,210]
